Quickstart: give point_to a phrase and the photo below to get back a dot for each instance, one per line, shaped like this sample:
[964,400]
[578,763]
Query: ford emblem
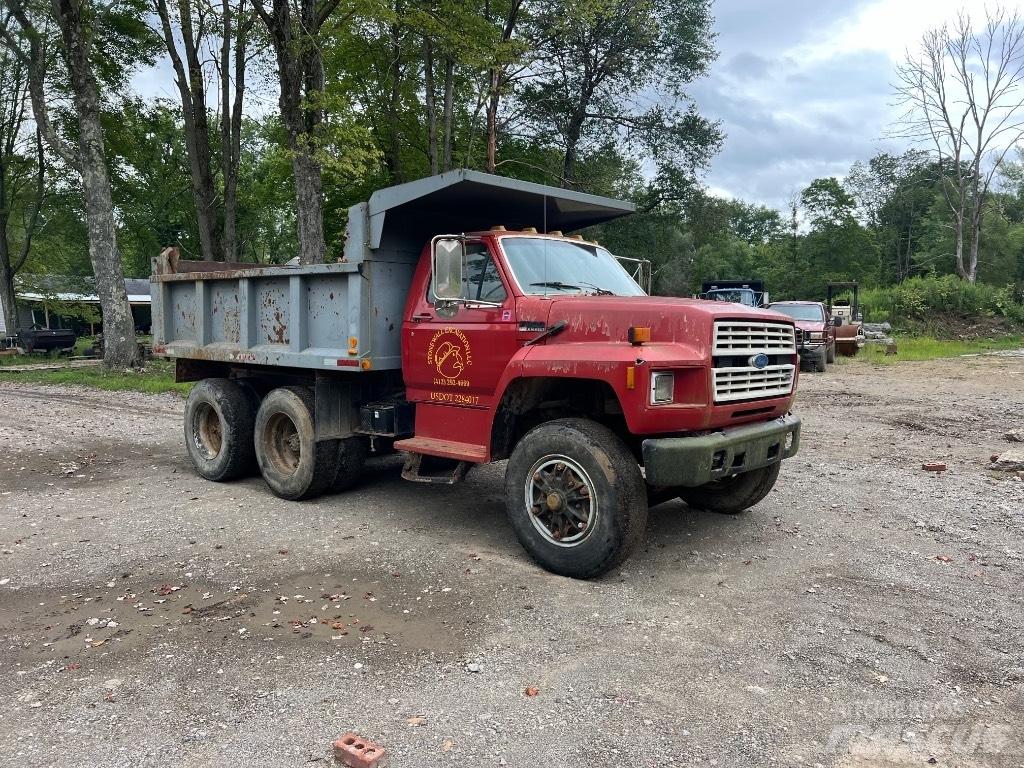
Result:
[759,361]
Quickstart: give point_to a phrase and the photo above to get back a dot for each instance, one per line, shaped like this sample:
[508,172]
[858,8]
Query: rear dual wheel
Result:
[230,433]
[219,418]
[294,464]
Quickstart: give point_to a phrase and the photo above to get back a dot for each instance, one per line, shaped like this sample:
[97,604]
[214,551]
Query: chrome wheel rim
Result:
[206,431]
[284,448]
[560,500]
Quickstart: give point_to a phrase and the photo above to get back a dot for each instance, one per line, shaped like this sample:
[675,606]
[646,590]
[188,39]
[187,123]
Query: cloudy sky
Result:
[802,87]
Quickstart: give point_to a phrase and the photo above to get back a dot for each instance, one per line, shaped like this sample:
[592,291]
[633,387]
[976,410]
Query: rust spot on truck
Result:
[279,332]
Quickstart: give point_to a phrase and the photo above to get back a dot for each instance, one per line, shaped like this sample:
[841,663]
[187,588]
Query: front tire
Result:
[293,463]
[820,362]
[830,356]
[733,495]
[575,497]
[219,417]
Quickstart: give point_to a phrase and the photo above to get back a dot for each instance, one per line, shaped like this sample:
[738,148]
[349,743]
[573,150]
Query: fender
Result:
[608,362]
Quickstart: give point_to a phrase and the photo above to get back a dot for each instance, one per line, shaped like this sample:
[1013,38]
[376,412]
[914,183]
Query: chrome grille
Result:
[733,337]
[751,383]
[737,341]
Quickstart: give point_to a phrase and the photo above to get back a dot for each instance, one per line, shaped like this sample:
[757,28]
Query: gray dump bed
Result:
[348,315]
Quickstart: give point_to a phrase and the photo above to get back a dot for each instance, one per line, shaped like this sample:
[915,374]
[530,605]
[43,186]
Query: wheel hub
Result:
[559,496]
[283,446]
[206,431]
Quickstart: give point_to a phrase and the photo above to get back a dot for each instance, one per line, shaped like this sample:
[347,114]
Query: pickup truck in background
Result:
[463,324]
[815,331]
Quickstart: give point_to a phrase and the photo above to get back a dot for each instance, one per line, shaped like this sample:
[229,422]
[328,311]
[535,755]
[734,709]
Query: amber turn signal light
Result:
[638,335]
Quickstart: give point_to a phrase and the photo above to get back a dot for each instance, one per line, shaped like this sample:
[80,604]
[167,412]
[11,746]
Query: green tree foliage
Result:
[591,95]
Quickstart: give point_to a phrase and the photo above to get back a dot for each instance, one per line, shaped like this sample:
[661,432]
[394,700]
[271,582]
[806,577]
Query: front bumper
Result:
[693,461]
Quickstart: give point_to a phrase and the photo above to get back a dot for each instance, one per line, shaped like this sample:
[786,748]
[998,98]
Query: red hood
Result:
[608,318]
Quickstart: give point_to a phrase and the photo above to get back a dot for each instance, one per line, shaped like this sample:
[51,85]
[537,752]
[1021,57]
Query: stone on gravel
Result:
[1009,461]
[1015,435]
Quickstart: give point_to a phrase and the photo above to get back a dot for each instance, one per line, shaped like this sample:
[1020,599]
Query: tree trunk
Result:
[394,155]
[10,264]
[431,106]
[492,120]
[192,91]
[449,108]
[494,93]
[231,122]
[7,295]
[223,71]
[120,349]
[300,71]
[572,144]
[958,223]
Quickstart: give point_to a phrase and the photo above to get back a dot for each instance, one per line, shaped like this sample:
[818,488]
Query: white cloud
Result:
[804,90]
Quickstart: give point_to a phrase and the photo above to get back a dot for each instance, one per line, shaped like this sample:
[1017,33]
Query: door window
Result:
[483,283]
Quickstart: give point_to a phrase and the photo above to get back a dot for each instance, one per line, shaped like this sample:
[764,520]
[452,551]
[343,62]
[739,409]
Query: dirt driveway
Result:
[866,613]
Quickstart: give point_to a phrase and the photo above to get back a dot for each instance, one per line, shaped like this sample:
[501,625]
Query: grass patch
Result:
[927,348]
[157,377]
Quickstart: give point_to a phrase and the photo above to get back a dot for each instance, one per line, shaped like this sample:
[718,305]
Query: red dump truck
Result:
[464,324]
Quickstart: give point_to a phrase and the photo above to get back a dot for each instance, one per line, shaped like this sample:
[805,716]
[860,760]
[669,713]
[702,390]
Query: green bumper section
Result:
[693,461]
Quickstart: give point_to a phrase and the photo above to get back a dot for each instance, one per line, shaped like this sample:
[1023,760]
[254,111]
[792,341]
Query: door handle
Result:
[421,316]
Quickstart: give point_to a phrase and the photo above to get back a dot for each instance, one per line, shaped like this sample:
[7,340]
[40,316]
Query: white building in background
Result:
[57,290]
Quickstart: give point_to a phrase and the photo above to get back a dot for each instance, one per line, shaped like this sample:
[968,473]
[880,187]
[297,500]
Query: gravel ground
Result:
[867,613]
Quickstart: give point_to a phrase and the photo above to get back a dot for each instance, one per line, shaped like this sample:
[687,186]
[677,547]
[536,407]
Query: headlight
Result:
[662,383]
[817,335]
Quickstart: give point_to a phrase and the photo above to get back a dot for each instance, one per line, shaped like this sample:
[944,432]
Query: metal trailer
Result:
[347,316]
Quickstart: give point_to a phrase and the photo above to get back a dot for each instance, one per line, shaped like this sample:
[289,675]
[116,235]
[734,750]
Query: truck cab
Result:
[465,326]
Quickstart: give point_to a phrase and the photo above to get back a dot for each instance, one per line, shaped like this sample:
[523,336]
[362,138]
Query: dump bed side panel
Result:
[320,317]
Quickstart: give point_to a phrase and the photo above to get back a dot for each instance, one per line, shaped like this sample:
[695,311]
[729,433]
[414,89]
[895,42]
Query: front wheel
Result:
[575,497]
[732,495]
[831,354]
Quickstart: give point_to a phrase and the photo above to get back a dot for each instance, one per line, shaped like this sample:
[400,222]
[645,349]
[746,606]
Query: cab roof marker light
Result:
[639,334]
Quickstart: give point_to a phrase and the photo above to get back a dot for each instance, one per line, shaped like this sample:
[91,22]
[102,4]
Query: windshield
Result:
[811,312]
[543,265]
[736,295]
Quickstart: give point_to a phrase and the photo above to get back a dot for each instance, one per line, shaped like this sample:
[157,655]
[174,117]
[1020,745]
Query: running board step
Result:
[420,468]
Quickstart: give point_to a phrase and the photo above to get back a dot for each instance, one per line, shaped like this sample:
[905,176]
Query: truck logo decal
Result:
[450,355]
[759,361]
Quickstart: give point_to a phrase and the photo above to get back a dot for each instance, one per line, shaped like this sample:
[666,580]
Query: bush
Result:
[921,298]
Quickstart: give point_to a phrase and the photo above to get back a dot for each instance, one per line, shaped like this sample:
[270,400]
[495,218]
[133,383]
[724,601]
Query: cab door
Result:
[456,352]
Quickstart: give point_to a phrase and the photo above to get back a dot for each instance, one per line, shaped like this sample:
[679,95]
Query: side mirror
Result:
[448,261]
[837,321]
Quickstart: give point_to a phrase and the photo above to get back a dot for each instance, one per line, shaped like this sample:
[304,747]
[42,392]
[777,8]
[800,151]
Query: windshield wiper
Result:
[598,291]
[557,284]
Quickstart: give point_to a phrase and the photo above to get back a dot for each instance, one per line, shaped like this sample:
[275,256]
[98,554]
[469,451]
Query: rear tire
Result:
[219,417]
[575,497]
[294,465]
[819,362]
[733,494]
